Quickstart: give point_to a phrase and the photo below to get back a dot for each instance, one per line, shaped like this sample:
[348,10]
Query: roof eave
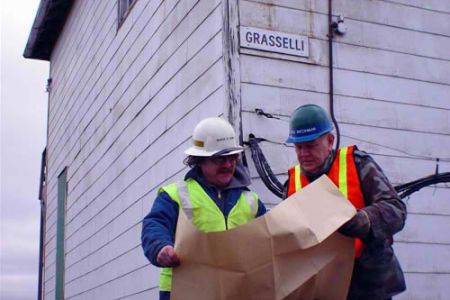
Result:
[48,23]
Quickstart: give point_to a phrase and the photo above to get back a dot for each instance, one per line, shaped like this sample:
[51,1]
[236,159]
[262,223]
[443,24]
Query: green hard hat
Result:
[308,122]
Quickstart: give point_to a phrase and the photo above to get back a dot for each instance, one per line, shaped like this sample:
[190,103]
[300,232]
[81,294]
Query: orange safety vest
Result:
[344,175]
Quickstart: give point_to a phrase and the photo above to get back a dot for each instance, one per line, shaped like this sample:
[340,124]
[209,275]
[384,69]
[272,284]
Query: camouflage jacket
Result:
[377,273]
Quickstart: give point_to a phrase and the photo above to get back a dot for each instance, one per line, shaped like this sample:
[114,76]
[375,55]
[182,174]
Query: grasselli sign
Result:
[274,41]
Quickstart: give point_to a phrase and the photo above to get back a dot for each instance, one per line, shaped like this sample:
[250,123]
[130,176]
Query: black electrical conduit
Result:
[41,196]
[406,189]
[263,168]
[330,71]
[276,187]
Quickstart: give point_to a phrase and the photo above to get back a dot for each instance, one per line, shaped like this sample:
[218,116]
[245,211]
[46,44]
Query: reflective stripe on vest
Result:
[205,214]
[344,175]
[250,197]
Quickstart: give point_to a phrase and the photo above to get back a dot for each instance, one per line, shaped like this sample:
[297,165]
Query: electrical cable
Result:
[410,155]
[396,149]
[406,189]
[266,174]
[263,168]
[275,186]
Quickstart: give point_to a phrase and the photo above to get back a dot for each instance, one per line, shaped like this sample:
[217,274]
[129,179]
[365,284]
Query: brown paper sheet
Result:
[292,252]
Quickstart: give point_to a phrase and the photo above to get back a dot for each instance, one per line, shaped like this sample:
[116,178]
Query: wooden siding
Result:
[392,99]
[122,108]
[123,103]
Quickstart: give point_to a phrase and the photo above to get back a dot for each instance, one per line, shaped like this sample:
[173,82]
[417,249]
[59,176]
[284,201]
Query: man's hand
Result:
[167,257]
[358,226]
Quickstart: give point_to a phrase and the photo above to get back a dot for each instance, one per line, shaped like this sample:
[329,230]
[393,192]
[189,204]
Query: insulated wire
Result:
[406,189]
[274,185]
[410,155]
[263,168]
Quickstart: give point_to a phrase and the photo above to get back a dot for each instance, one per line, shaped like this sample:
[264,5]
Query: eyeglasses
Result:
[222,159]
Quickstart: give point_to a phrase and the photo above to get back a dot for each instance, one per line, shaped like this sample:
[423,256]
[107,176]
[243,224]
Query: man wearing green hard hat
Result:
[380,212]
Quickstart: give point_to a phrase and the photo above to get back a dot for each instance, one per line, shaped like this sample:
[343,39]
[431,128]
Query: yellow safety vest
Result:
[205,214]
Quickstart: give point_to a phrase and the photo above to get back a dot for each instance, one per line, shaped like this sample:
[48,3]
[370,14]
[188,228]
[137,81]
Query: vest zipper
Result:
[219,195]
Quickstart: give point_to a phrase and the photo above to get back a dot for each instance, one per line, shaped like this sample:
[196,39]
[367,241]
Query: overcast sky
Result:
[23,137]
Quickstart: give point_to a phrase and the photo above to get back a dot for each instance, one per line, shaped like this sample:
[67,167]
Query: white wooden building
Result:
[129,79]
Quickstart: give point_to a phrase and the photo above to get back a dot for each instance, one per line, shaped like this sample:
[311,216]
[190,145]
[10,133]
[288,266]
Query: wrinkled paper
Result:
[292,252]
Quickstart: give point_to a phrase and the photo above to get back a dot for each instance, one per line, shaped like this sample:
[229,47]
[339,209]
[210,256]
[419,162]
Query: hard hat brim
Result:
[194,151]
[307,138]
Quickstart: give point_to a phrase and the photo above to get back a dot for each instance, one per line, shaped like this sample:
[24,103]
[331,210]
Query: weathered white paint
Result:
[421,285]
[124,101]
[232,72]
[121,146]
[392,98]
[122,108]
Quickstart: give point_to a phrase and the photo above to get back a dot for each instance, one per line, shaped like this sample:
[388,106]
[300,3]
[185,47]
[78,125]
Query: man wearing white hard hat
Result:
[214,196]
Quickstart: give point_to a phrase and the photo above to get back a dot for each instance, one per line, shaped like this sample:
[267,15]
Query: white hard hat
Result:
[213,136]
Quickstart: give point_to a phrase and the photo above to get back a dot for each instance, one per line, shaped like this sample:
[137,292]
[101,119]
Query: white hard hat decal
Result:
[198,143]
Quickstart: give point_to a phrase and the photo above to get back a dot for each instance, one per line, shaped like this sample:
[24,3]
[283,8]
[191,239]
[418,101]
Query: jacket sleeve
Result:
[261,209]
[384,212]
[159,226]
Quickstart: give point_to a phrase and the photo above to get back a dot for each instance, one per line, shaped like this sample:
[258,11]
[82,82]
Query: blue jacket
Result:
[159,226]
